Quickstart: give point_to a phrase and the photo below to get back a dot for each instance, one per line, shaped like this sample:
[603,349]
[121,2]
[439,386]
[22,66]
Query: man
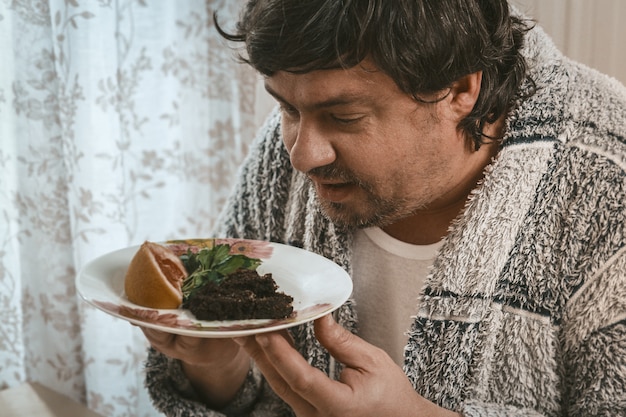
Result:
[472,181]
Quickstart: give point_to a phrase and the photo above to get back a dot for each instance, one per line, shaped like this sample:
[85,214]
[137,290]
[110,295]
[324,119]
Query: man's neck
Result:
[424,228]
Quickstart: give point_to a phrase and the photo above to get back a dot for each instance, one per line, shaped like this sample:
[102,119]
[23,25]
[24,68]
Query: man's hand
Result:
[371,384]
[215,367]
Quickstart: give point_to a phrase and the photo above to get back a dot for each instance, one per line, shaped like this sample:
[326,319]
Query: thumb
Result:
[344,346]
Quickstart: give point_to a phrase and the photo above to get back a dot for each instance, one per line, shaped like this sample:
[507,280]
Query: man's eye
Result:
[289,111]
[346,120]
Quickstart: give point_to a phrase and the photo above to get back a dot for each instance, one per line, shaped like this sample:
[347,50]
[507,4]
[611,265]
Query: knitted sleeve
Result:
[173,395]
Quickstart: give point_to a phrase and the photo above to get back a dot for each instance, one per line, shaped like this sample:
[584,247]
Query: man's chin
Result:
[361,216]
[346,217]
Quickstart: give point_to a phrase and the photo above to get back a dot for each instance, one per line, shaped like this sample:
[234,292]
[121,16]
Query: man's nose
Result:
[311,147]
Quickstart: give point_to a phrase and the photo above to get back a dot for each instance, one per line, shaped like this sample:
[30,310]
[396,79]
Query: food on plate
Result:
[155,277]
[215,282]
[245,294]
[226,286]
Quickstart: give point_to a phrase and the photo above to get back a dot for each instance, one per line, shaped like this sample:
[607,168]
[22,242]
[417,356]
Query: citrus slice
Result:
[154,277]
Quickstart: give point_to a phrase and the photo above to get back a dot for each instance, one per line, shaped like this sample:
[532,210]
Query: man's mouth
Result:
[334,192]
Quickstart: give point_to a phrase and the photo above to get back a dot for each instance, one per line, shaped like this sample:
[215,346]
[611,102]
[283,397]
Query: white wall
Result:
[590,31]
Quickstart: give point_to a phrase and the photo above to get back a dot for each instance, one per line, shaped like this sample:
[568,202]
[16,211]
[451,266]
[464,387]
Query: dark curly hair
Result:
[423,45]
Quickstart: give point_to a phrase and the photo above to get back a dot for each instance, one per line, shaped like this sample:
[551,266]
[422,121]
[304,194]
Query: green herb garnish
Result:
[212,265]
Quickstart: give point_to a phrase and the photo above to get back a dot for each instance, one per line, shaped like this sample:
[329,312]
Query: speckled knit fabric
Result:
[524,313]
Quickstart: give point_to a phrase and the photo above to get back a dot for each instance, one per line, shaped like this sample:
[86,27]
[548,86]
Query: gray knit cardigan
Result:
[524,313]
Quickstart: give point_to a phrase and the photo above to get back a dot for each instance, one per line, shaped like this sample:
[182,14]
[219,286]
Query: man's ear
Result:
[464,93]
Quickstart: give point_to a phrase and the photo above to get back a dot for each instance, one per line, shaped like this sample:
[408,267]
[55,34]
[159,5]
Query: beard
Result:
[373,210]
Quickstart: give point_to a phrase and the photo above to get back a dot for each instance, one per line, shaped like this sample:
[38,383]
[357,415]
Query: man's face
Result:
[374,154]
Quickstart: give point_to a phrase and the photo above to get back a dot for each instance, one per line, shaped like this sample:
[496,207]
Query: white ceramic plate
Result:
[317,285]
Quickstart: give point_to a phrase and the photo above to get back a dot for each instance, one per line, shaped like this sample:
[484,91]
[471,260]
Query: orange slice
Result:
[154,277]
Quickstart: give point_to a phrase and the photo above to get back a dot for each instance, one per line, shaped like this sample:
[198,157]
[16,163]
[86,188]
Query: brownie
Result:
[243,295]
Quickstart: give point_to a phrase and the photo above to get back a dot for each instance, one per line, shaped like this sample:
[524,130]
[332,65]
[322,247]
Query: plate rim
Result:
[150,317]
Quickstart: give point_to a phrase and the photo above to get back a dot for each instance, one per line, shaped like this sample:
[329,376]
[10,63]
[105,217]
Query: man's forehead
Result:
[327,87]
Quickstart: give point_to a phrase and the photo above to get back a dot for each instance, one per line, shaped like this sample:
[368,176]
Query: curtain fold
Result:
[120,121]
[591,32]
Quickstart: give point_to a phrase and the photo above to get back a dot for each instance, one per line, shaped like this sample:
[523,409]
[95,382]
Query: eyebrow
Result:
[341,99]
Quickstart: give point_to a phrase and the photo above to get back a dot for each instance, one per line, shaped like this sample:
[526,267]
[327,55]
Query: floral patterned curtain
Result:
[120,121]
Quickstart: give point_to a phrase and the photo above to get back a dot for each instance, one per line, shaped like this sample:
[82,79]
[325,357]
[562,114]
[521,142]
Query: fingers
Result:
[193,350]
[370,382]
[256,349]
[169,342]
[291,377]
[344,346]
[158,339]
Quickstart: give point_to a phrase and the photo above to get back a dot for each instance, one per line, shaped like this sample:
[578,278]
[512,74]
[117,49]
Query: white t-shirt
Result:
[388,276]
